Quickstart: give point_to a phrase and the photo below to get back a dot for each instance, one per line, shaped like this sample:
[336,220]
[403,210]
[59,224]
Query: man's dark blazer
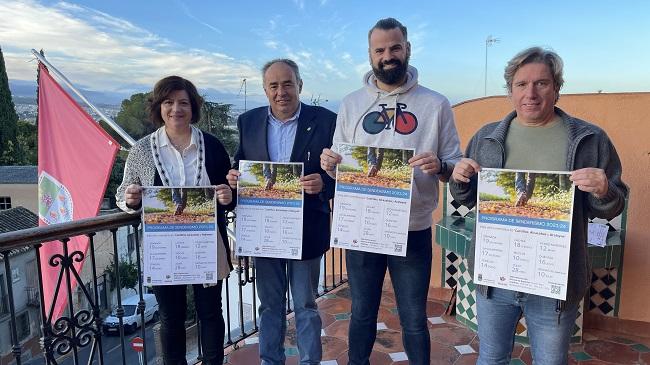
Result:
[314,132]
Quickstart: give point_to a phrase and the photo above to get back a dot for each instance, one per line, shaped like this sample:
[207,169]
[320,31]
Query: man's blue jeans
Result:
[410,277]
[498,317]
[273,276]
[525,183]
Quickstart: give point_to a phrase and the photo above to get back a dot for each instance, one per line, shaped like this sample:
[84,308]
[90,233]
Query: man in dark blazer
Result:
[290,131]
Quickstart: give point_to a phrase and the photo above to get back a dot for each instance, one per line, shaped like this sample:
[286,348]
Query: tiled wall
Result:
[602,294]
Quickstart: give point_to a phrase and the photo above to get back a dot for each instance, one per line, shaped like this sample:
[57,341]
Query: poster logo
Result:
[388,118]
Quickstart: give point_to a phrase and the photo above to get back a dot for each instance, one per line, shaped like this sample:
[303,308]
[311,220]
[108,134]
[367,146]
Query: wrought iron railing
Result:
[80,329]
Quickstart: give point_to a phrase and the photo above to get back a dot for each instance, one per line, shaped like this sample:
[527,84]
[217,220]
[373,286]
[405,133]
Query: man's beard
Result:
[391,76]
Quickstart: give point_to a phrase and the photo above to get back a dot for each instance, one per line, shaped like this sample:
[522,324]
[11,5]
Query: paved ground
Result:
[451,342]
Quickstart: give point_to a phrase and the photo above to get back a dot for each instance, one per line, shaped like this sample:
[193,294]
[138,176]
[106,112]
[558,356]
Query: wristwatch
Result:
[443,167]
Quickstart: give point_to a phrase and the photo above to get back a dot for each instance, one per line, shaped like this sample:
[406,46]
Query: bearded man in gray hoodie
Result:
[393,111]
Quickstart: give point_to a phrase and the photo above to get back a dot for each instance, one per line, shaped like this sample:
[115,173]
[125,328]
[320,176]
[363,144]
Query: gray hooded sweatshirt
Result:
[425,123]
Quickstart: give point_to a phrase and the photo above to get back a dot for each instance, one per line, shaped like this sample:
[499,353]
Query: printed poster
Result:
[373,199]
[269,209]
[523,231]
[180,235]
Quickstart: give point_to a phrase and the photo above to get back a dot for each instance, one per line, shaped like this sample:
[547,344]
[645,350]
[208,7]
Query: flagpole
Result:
[105,118]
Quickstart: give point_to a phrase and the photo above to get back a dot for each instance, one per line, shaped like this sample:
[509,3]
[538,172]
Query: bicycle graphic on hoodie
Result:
[377,121]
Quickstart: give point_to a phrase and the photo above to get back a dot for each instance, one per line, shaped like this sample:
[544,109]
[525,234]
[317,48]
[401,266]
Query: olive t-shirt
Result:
[537,148]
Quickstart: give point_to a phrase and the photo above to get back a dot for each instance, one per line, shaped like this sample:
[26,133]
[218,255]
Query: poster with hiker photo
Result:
[373,199]
[179,235]
[523,231]
[269,209]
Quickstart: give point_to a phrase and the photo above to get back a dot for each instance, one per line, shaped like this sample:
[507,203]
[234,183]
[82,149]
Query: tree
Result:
[133,116]
[27,138]
[116,176]
[128,275]
[283,173]
[545,184]
[10,153]
[216,120]
[392,158]
[196,198]
[134,119]
[23,150]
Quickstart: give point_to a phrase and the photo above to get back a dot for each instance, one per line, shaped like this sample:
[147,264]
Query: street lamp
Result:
[488,42]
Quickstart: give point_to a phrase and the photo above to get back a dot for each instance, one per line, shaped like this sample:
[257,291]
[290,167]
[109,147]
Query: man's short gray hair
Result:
[535,55]
[388,24]
[286,61]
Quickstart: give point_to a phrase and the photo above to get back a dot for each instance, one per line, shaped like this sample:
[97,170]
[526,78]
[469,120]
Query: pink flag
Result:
[75,157]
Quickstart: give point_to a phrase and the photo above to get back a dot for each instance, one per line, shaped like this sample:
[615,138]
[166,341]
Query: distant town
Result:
[26,109]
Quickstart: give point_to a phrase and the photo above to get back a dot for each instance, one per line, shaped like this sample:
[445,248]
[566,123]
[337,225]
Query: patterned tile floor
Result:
[451,342]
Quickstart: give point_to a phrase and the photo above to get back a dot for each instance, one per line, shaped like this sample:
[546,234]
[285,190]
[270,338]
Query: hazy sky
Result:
[125,46]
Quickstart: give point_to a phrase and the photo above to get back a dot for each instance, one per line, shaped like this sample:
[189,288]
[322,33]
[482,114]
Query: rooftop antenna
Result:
[488,42]
[317,100]
[243,87]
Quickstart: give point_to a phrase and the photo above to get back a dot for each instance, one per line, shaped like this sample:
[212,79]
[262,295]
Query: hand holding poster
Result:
[373,199]
[523,231]
[180,235]
[269,209]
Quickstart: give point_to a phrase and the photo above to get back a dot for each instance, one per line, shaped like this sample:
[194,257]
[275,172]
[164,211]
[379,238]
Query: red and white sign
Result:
[137,344]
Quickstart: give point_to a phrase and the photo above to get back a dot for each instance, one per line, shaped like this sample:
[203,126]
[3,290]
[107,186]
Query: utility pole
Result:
[488,42]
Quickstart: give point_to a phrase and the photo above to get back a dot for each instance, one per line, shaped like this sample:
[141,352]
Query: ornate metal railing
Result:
[79,329]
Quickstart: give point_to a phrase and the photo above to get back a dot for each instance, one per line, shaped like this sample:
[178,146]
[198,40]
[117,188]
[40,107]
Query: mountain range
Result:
[24,92]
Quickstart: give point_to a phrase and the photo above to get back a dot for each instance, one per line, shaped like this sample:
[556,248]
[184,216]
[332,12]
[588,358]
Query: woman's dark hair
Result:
[161,92]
